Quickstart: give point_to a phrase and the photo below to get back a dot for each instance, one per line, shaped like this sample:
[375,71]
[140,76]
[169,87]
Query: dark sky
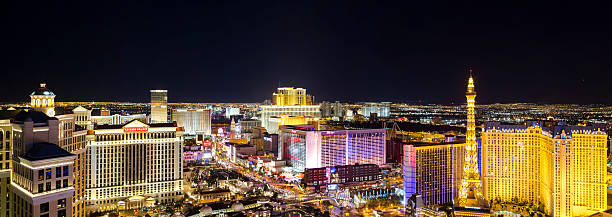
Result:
[232,51]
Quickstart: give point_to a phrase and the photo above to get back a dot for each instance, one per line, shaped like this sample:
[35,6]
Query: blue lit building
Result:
[433,170]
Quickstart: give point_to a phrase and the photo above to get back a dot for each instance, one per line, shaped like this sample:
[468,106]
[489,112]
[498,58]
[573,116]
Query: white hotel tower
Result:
[134,165]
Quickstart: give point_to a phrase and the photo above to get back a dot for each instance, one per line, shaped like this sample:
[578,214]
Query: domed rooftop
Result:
[42,90]
[206,210]
[237,207]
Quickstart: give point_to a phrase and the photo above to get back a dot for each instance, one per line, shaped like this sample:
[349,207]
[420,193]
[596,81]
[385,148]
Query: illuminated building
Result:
[104,112]
[82,116]
[134,165]
[263,140]
[471,212]
[6,144]
[268,113]
[275,122]
[42,177]
[67,135]
[193,154]
[234,131]
[432,170]
[194,121]
[470,191]
[214,196]
[231,111]
[562,167]
[380,110]
[42,99]
[72,139]
[117,119]
[247,126]
[320,178]
[87,118]
[291,96]
[159,106]
[236,151]
[333,111]
[306,147]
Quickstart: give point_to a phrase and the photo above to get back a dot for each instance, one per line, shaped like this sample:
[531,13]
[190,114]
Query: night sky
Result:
[231,51]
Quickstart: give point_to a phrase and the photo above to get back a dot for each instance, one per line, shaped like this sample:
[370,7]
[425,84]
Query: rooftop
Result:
[119,126]
[329,131]
[31,115]
[425,144]
[45,150]
[555,130]
[7,114]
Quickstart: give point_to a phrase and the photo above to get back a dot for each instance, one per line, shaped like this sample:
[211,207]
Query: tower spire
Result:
[470,86]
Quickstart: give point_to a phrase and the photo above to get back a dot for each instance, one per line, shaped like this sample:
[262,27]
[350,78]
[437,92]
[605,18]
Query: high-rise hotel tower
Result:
[134,165]
[470,190]
[159,106]
[291,96]
[563,168]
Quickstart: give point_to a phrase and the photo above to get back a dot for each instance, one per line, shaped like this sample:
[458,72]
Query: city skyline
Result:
[313,108]
[217,52]
[382,99]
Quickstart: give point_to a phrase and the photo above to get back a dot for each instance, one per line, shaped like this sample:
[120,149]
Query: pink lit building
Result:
[305,147]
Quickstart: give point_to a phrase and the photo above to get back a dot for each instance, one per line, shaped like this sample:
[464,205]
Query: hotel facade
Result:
[291,96]
[305,147]
[433,170]
[42,172]
[159,106]
[270,114]
[562,167]
[194,121]
[133,165]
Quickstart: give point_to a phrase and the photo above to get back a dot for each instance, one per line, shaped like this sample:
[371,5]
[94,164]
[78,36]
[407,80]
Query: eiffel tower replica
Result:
[471,201]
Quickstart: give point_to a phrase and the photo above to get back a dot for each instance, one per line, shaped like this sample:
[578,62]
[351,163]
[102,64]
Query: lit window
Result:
[61,203]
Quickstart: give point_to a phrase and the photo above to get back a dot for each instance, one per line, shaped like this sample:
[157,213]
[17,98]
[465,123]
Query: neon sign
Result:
[135,129]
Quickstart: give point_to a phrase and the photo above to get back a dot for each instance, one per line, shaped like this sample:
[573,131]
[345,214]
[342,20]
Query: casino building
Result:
[291,96]
[271,115]
[320,178]
[562,167]
[42,172]
[433,170]
[306,147]
[133,165]
[194,121]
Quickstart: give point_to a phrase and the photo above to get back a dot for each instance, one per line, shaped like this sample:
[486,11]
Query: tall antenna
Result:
[468,67]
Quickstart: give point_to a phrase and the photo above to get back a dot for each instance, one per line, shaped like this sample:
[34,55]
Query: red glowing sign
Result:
[293,131]
[207,143]
[135,129]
